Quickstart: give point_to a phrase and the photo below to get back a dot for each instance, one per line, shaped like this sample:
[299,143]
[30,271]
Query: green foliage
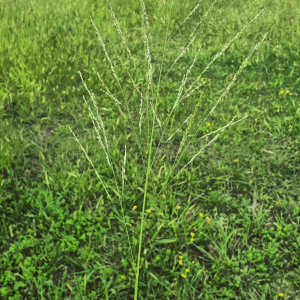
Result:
[60,235]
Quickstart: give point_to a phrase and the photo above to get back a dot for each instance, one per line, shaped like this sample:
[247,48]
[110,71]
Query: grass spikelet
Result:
[116,23]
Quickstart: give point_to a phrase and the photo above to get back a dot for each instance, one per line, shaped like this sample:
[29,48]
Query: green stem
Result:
[143,212]
[105,286]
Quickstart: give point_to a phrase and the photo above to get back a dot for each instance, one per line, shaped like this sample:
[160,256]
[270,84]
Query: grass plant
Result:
[152,94]
[195,190]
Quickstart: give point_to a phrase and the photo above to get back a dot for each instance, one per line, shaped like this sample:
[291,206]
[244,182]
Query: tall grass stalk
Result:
[154,125]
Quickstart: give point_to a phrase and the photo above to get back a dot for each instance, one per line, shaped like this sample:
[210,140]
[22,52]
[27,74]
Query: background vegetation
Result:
[59,235]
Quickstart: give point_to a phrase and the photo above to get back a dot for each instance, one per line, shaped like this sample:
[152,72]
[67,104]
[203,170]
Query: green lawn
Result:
[221,223]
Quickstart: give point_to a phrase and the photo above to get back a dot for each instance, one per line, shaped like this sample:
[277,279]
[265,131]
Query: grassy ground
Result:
[60,236]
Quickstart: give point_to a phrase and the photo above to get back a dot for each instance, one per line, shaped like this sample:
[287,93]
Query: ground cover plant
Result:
[182,205]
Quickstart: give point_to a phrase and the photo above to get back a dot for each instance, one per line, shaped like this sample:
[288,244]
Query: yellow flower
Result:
[281,93]
[280,295]
[178,207]
[208,220]
[201,214]
[89,79]
[201,232]
[175,279]
[122,277]
[287,92]
[83,111]
[192,234]
[148,211]
[193,262]
[72,77]
[255,120]
[290,94]
[164,196]
[182,275]
[180,262]
[208,124]
[187,270]
[192,239]
[135,207]
[202,79]
[180,257]
[236,160]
